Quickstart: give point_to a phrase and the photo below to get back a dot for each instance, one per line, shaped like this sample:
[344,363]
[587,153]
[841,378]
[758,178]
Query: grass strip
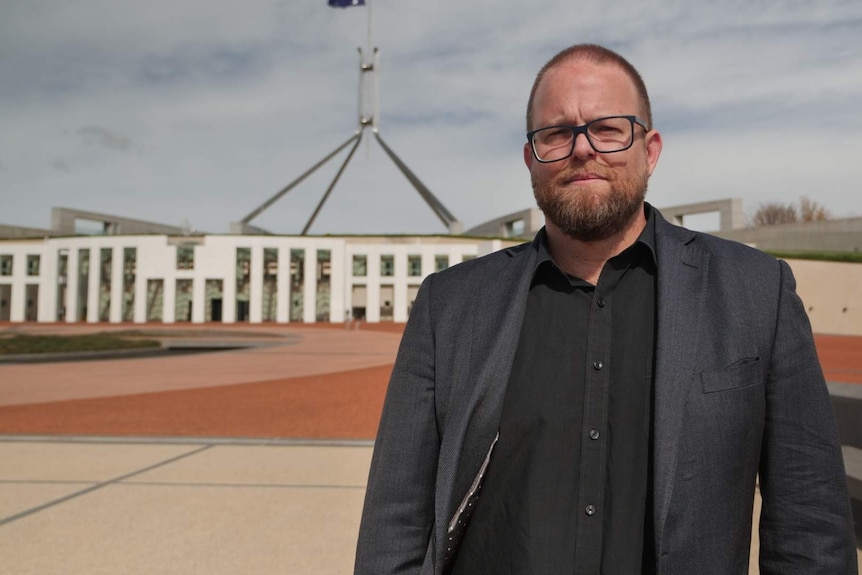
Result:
[25,343]
[848,257]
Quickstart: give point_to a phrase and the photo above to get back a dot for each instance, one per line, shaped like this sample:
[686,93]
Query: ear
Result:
[653,143]
[528,155]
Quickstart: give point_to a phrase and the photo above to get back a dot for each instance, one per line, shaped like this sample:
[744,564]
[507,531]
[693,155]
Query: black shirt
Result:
[568,489]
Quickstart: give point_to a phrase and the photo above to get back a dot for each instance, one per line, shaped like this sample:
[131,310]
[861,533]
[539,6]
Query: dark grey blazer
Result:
[738,391]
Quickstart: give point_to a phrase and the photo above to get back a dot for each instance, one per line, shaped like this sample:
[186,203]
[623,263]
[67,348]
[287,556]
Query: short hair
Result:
[599,55]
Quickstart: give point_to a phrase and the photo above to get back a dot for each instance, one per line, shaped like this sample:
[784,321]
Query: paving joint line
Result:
[242,485]
[44,482]
[180,440]
[97,486]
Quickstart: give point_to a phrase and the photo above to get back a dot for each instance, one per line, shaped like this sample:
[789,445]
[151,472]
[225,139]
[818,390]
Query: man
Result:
[604,399]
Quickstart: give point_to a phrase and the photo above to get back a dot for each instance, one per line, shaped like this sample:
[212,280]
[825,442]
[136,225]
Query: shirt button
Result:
[594,434]
[590,510]
[597,365]
[600,302]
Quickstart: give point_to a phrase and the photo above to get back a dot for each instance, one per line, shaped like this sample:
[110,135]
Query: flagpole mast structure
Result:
[368,116]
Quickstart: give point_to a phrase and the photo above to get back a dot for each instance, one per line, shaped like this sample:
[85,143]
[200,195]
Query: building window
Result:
[62,265]
[243,283]
[5,265]
[270,262]
[270,283]
[33,265]
[183,301]
[155,299]
[387,265]
[31,292]
[130,267]
[467,257]
[214,300]
[83,284]
[515,228]
[387,300]
[414,265]
[106,264]
[62,270]
[360,265]
[441,263]
[185,257]
[297,284]
[324,284]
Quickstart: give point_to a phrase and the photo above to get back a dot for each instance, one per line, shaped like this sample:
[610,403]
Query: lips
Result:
[579,177]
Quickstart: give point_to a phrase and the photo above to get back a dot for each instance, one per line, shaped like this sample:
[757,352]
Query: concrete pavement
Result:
[120,505]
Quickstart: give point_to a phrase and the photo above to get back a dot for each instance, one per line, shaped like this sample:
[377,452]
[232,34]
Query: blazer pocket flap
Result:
[743,373]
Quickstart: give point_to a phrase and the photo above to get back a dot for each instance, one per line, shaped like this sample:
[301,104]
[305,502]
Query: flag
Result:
[346,3]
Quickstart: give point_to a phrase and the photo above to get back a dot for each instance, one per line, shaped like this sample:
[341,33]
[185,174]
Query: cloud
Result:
[104,138]
[60,165]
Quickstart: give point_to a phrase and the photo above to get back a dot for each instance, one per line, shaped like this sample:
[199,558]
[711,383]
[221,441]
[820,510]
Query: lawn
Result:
[24,344]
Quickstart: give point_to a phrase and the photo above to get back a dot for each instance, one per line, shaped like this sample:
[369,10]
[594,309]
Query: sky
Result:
[195,112]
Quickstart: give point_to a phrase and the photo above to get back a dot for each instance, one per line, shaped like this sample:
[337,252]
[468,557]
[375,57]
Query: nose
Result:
[582,150]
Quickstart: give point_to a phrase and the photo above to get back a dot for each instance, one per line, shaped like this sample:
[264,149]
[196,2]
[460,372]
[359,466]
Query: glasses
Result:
[605,135]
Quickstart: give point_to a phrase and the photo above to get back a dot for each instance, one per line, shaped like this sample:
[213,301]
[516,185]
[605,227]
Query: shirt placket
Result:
[588,549]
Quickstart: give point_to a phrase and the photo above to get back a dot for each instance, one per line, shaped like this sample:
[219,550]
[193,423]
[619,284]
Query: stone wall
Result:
[832,294]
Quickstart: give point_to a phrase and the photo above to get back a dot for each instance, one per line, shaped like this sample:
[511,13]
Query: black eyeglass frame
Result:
[584,129]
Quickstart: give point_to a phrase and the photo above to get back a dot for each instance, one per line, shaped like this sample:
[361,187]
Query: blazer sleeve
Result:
[806,525]
[398,515]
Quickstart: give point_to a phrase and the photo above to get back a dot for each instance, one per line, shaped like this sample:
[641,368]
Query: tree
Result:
[811,211]
[774,213]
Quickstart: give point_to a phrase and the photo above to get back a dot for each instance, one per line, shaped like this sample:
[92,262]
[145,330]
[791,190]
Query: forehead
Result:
[586,90]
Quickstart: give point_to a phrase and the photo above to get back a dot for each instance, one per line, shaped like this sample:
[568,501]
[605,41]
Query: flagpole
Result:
[374,71]
[368,42]
[360,99]
[375,119]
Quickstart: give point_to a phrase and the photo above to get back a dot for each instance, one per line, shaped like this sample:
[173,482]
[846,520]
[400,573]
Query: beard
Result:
[586,215]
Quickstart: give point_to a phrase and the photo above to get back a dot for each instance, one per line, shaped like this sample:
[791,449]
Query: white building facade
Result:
[222,278]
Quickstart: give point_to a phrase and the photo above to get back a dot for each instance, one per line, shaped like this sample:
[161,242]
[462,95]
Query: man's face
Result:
[590,196]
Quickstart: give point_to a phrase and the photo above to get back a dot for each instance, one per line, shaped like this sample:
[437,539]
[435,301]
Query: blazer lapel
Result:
[682,281]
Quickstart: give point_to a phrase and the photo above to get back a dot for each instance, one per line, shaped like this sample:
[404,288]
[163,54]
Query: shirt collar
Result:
[646,238]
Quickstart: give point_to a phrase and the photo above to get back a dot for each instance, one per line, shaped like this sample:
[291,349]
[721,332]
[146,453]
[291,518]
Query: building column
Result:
[18,295]
[372,289]
[199,298]
[140,313]
[94,285]
[337,285]
[115,314]
[228,309]
[399,289]
[47,286]
[71,302]
[282,310]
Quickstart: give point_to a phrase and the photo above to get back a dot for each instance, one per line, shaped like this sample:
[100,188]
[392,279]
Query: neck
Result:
[585,260]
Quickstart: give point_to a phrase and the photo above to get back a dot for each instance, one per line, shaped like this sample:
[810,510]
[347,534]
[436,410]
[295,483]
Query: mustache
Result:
[570,173]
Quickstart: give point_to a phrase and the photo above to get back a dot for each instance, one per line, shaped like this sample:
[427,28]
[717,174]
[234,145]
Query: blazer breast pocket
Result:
[746,372]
